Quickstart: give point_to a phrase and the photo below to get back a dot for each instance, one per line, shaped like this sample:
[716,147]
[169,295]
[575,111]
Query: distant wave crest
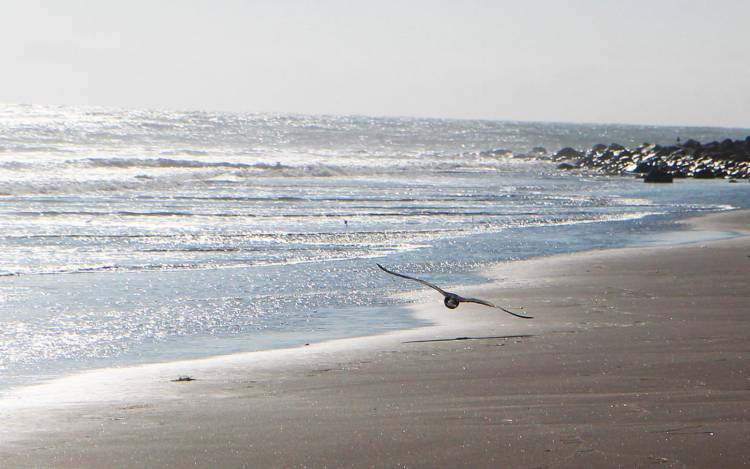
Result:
[94,175]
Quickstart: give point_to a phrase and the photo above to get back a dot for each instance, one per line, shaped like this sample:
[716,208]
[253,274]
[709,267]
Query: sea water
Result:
[131,236]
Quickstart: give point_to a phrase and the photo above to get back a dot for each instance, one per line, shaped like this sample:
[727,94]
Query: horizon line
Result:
[363,115]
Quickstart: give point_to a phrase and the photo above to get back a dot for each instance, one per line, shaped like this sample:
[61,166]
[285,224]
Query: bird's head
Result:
[451,302]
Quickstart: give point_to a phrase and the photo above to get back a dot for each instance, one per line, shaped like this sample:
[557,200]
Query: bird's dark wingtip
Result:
[382,268]
[518,315]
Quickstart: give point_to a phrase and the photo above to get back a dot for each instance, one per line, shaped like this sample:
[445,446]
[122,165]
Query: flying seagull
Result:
[451,299]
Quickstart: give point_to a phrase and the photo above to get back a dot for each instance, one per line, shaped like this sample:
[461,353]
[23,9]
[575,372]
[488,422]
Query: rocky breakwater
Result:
[727,159]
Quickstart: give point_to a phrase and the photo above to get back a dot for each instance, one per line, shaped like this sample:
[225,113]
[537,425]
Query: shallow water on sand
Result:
[131,236]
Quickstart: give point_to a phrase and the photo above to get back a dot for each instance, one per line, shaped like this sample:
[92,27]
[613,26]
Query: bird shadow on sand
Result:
[518,336]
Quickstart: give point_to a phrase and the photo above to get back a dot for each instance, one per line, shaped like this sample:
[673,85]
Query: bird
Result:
[452,300]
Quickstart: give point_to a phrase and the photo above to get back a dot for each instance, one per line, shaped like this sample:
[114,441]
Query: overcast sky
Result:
[630,61]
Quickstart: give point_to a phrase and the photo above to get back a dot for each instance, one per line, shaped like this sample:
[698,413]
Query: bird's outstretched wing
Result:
[423,282]
[487,303]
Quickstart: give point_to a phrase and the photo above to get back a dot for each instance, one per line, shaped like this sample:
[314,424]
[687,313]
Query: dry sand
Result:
[636,357]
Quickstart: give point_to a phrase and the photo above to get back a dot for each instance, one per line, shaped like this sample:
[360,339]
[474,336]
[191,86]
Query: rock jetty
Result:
[727,159]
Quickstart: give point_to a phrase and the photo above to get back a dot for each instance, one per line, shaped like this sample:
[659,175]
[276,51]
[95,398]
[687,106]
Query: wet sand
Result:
[635,357]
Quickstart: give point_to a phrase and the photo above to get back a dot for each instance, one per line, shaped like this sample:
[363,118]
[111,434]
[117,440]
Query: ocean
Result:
[132,235]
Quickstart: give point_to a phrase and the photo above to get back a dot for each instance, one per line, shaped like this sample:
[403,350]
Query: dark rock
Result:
[646,165]
[679,174]
[665,151]
[703,173]
[730,159]
[726,145]
[711,146]
[566,165]
[568,152]
[497,152]
[650,148]
[538,151]
[657,175]
[676,155]
[598,148]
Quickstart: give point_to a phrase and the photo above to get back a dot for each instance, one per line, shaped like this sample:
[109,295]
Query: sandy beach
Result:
[635,357]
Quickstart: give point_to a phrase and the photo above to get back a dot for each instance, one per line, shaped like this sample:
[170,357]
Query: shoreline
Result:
[283,379]
[419,309]
[673,237]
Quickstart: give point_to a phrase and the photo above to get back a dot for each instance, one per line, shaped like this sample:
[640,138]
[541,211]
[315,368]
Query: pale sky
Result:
[628,61]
